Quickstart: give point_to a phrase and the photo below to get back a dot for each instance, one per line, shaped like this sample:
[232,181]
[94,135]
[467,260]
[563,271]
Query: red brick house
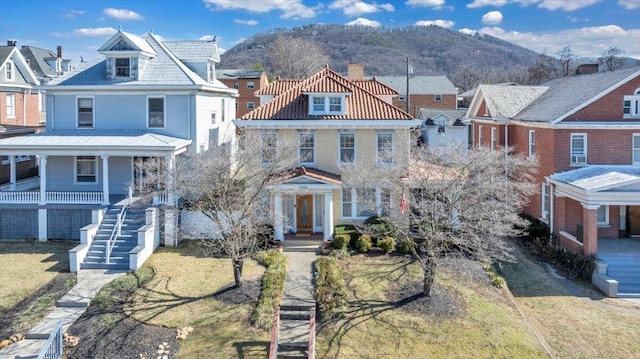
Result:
[585,132]
[247,82]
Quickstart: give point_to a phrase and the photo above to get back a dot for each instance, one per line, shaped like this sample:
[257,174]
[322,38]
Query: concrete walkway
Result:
[68,309]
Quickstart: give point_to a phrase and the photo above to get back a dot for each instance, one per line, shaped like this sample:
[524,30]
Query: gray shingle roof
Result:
[598,178]
[433,112]
[567,93]
[229,74]
[506,101]
[193,49]
[420,84]
[36,57]
[5,51]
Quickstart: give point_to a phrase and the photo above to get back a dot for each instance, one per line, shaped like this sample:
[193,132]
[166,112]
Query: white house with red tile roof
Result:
[339,123]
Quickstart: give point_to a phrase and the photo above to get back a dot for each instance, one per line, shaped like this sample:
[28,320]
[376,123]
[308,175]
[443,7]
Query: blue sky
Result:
[588,26]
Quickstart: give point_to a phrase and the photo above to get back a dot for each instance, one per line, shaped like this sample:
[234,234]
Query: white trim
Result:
[13,105]
[327,104]
[251,84]
[164,111]
[253,105]
[93,112]
[327,124]
[12,71]
[494,138]
[634,105]
[302,134]
[75,171]
[606,216]
[581,159]
[596,98]
[115,59]
[532,143]
[545,191]
[355,150]
[635,139]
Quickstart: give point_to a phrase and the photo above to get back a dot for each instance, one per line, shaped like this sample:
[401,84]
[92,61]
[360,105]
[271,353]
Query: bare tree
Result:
[566,57]
[227,192]
[466,78]
[451,202]
[293,57]
[611,59]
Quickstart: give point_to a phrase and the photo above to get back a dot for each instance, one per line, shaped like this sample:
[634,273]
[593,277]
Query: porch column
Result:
[12,172]
[105,180]
[43,179]
[328,215]
[590,227]
[171,161]
[278,225]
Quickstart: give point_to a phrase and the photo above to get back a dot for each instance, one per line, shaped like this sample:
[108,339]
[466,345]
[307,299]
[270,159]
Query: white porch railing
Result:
[23,185]
[19,197]
[74,197]
[164,198]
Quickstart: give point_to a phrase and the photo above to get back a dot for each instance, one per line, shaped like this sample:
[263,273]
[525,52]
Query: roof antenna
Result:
[119,27]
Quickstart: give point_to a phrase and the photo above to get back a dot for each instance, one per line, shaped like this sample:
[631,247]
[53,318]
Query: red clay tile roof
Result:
[376,87]
[293,104]
[278,86]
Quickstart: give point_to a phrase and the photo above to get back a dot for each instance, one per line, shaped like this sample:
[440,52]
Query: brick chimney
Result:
[587,69]
[11,42]
[355,71]
[59,48]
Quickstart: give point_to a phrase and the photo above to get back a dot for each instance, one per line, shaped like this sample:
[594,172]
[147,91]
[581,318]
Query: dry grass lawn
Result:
[189,290]
[465,318]
[590,326]
[26,267]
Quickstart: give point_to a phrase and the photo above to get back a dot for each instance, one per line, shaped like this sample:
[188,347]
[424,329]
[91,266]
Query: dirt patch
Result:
[29,311]
[248,294]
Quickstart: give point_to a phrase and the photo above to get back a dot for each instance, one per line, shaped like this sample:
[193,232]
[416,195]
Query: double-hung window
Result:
[384,148]
[250,105]
[9,71]
[578,149]
[532,143]
[494,138]
[335,104]
[86,169]
[366,201]
[269,147]
[85,112]
[11,105]
[631,105]
[479,136]
[636,149]
[603,215]
[438,97]
[307,148]
[250,84]
[156,112]
[320,105]
[347,150]
[347,202]
[122,67]
[545,201]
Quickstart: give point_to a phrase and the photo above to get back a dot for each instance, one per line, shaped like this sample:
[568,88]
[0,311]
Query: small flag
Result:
[403,203]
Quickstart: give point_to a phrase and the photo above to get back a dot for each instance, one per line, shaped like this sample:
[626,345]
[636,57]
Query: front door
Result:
[634,220]
[304,205]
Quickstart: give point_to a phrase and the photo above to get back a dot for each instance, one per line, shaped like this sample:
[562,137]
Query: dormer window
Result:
[321,105]
[123,67]
[9,73]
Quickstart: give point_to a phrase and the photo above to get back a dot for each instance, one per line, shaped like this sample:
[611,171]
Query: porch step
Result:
[86,265]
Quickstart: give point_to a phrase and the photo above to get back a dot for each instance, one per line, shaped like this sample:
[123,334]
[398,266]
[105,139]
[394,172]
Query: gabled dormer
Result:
[126,55]
[200,56]
[327,96]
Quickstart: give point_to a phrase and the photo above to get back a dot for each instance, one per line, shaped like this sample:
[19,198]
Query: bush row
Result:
[331,293]
[273,282]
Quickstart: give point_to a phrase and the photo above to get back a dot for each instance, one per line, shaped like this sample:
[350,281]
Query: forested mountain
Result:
[432,50]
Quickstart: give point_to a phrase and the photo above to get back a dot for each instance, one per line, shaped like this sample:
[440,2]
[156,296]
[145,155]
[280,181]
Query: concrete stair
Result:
[128,239]
[294,334]
[626,270]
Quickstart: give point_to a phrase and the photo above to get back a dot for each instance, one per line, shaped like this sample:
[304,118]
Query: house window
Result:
[156,112]
[327,105]
[318,104]
[494,138]
[636,148]
[347,202]
[335,104]
[631,105]
[546,200]
[212,72]
[365,201]
[385,202]
[223,107]
[384,148]
[250,105]
[11,105]
[307,148]
[86,169]
[250,85]
[269,147]
[85,112]
[237,105]
[438,97]
[442,125]
[603,215]
[122,67]
[213,117]
[532,143]
[402,98]
[479,136]
[347,149]
[578,149]
[236,85]
[9,71]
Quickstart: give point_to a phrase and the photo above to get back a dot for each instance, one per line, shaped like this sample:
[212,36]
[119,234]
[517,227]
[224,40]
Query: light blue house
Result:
[144,98]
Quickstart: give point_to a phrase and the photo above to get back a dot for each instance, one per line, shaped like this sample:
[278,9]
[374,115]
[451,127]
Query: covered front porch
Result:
[622,258]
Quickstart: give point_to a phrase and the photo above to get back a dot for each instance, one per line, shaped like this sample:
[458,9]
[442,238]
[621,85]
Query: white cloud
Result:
[629,4]
[206,37]
[467,31]
[425,3]
[566,5]
[122,14]
[442,23]
[94,32]
[358,7]
[492,18]
[239,41]
[246,22]
[363,22]
[291,9]
[577,19]
[73,13]
[586,41]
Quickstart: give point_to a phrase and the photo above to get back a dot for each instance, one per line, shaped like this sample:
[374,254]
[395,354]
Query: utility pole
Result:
[409,72]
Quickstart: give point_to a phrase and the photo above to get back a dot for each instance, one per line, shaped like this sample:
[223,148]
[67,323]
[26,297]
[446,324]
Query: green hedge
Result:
[273,282]
[331,292]
[363,244]
[387,244]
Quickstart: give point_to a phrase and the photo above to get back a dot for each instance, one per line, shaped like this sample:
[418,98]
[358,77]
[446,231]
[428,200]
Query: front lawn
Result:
[465,317]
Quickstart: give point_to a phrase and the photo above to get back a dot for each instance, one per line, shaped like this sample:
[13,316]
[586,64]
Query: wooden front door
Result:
[634,220]
[304,216]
